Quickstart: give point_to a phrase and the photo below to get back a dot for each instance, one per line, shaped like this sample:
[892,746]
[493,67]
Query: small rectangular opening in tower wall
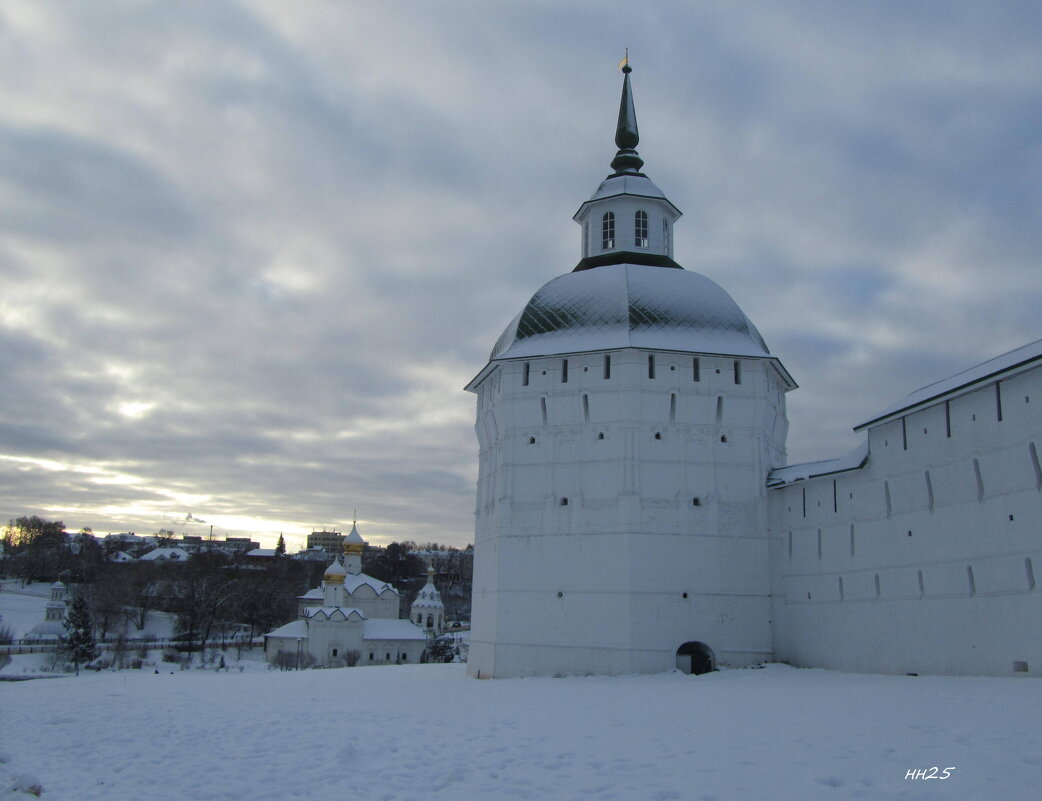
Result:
[1019,666]
[542,408]
[971,579]
[1030,570]
[904,434]
[1033,452]
[651,365]
[672,407]
[719,409]
[697,371]
[607,366]
[948,419]
[998,401]
[586,408]
[564,371]
[525,370]
[737,372]
[980,480]
[835,497]
[819,544]
[804,491]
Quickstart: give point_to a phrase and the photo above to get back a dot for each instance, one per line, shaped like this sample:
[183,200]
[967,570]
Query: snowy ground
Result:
[427,732]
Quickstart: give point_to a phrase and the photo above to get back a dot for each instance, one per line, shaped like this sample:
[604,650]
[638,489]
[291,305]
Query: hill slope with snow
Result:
[427,732]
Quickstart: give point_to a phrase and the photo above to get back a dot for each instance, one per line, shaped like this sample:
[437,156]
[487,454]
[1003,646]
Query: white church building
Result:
[635,512]
[351,619]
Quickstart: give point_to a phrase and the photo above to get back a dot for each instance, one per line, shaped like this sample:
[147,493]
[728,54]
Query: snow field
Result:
[427,732]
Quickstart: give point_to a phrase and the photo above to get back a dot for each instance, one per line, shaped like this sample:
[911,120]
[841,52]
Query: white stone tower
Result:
[627,419]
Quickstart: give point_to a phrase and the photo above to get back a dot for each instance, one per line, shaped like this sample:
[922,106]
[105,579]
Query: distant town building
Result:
[329,541]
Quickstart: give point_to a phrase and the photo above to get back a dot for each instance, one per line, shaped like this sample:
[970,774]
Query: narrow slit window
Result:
[922,585]
[651,365]
[586,239]
[719,409]
[886,497]
[904,434]
[980,480]
[948,419]
[672,407]
[607,366]
[737,372]
[586,408]
[851,539]
[819,544]
[640,229]
[835,497]
[1030,572]
[564,371]
[525,372]
[665,236]
[696,371]
[1035,465]
[542,408]
[972,581]
[998,401]
[929,491]
[608,230]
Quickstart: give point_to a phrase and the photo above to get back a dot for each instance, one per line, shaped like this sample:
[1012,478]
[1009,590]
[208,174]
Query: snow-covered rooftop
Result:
[390,629]
[630,305]
[980,373]
[166,554]
[355,580]
[853,460]
[297,630]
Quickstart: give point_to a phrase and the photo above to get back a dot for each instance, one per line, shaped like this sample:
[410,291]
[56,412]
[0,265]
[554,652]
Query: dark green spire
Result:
[626,135]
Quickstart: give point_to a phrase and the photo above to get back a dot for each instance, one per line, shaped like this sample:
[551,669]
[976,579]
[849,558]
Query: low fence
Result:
[109,644]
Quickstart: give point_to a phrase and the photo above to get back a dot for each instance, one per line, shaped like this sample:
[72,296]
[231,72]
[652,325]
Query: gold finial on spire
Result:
[624,65]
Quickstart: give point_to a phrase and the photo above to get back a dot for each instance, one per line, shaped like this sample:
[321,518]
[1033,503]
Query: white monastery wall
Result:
[925,559]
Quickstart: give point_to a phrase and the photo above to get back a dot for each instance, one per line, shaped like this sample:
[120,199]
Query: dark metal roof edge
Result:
[626,257]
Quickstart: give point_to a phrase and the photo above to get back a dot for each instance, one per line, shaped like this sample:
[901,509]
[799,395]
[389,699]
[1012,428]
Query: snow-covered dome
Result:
[335,573]
[630,305]
[428,597]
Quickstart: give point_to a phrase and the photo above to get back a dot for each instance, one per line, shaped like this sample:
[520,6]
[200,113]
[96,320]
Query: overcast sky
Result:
[250,252]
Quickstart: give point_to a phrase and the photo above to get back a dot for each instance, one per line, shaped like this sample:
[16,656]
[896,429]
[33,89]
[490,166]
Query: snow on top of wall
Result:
[853,460]
[978,373]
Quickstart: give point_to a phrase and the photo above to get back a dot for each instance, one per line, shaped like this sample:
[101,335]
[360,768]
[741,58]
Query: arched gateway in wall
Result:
[695,658]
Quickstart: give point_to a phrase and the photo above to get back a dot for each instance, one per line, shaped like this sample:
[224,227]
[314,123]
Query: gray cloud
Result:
[250,254]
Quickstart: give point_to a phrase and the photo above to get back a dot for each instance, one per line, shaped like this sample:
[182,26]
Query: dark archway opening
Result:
[695,658]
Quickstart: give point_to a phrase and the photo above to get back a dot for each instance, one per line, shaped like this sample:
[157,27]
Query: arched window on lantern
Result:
[608,230]
[640,229]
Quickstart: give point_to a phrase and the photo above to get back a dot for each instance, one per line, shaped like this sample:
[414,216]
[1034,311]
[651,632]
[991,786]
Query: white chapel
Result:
[351,619]
[635,511]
